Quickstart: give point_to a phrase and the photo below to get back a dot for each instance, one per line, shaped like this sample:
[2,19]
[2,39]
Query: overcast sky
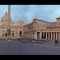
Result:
[29,12]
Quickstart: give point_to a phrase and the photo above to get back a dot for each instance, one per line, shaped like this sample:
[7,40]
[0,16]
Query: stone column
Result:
[51,35]
[46,35]
[40,35]
[59,35]
[56,35]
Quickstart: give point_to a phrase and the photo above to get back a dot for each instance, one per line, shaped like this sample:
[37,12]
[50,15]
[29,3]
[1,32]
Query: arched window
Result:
[20,33]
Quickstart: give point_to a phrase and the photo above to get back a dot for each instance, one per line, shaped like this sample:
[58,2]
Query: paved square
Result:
[19,48]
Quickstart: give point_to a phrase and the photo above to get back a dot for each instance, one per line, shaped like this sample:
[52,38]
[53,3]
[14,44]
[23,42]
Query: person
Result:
[56,41]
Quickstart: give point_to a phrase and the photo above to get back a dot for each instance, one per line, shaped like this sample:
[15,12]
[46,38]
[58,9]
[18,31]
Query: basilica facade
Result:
[10,29]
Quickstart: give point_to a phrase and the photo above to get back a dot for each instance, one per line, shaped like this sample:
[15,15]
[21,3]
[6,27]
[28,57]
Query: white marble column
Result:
[56,35]
[46,35]
[51,35]
[59,35]
[43,35]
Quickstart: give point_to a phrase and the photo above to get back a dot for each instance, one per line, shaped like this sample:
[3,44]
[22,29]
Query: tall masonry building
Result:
[38,29]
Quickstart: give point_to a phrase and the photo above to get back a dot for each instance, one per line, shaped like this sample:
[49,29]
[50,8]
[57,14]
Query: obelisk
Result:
[9,11]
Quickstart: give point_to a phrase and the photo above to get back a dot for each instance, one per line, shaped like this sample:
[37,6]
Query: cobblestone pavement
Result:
[20,48]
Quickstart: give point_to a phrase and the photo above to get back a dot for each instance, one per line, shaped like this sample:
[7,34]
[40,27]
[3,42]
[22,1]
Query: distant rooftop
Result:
[41,20]
[58,18]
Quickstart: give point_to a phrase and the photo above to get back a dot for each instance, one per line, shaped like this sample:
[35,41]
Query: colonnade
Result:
[48,35]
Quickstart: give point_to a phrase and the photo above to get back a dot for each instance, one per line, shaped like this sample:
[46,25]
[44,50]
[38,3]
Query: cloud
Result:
[29,12]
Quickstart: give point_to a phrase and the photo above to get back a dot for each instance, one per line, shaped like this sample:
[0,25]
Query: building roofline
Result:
[41,20]
[58,18]
[28,24]
[54,22]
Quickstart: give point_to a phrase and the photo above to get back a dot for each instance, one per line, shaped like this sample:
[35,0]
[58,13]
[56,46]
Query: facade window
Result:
[2,35]
[5,34]
[12,34]
[12,31]
[9,31]
[59,23]
[20,33]
[50,27]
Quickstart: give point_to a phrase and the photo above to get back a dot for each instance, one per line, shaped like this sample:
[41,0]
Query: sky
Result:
[29,12]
